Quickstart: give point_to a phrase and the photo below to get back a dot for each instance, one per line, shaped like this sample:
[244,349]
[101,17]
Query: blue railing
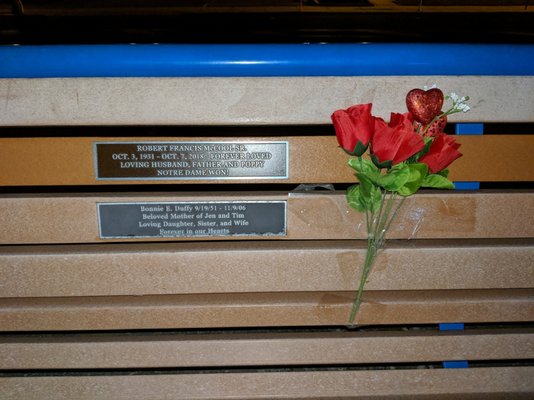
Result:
[264,60]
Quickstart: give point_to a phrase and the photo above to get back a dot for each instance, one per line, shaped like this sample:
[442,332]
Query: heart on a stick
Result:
[437,127]
[424,105]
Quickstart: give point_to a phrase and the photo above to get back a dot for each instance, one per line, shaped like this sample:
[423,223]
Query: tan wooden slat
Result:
[189,268]
[215,350]
[246,101]
[475,383]
[27,219]
[315,159]
[264,309]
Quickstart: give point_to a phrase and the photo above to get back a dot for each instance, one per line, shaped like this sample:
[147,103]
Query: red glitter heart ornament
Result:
[424,105]
[437,127]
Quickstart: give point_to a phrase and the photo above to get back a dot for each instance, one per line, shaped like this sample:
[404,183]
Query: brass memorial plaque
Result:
[192,219]
[191,160]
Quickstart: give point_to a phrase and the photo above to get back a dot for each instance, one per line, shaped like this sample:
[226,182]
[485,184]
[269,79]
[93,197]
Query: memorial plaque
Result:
[192,219]
[191,160]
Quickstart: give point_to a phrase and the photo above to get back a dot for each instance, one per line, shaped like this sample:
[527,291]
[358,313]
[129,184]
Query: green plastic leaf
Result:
[354,198]
[395,178]
[437,181]
[365,166]
[376,199]
[354,164]
[366,185]
[371,195]
[369,167]
[418,172]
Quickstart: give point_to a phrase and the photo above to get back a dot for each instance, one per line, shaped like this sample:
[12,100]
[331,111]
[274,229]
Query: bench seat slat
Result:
[313,159]
[475,383]
[33,219]
[189,268]
[246,101]
[264,309]
[112,351]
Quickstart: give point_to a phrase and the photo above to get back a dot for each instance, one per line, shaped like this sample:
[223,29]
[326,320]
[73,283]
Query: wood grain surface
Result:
[312,159]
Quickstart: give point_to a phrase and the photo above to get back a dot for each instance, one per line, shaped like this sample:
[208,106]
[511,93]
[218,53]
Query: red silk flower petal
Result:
[411,144]
[443,151]
[354,128]
[396,144]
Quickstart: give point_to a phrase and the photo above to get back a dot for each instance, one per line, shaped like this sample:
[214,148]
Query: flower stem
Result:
[395,213]
[377,219]
[366,211]
[377,227]
[369,258]
[383,221]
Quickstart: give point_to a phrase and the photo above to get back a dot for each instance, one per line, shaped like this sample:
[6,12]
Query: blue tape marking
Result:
[456,326]
[455,364]
[469,129]
[467,185]
[363,59]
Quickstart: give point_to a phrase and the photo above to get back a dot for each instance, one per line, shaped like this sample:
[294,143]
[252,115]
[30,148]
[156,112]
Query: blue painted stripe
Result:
[453,326]
[467,185]
[456,364]
[364,59]
[469,129]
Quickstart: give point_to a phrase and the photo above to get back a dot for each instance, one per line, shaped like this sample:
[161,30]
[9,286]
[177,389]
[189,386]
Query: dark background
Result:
[261,21]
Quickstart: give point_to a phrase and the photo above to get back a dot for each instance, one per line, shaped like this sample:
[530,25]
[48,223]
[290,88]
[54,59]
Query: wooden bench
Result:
[85,316]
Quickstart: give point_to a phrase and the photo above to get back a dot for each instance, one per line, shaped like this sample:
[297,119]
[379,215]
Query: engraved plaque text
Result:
[191,160]
[192,219]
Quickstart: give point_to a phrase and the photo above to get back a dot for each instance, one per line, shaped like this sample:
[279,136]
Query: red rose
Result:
[443,151]
[354,128]
[395,142]
[406,120]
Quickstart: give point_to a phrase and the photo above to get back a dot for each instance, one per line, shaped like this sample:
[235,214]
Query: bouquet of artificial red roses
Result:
[409,152]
